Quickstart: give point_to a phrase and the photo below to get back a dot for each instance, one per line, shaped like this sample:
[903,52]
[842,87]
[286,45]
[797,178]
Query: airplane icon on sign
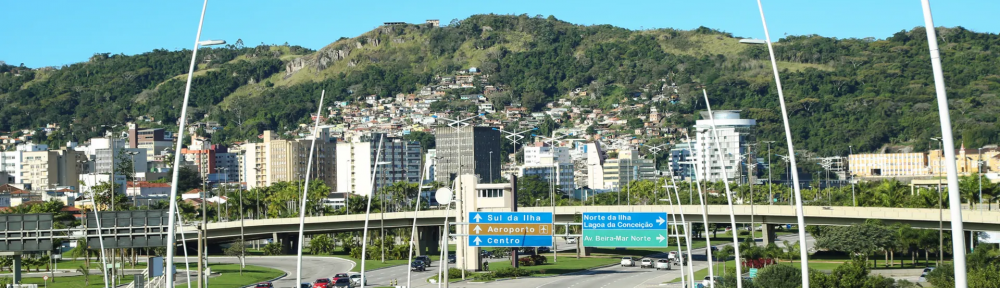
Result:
[544,228]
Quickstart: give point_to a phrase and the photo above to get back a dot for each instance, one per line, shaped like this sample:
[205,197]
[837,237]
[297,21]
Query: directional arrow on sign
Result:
[477,240]
[477,229]
[477,218]
[659,220]
[660,238]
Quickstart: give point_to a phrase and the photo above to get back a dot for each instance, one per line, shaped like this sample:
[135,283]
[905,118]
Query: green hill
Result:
[862,92]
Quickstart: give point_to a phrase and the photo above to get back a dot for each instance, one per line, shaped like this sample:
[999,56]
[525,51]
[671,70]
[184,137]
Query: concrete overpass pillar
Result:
[428,240]
[769,235]
[16,267]
[287,243]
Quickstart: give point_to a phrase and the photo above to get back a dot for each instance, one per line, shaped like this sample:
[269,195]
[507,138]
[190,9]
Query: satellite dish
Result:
[443,196]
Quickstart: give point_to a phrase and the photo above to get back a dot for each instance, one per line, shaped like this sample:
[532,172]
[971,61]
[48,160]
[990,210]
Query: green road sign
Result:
[753,272]
[625,229]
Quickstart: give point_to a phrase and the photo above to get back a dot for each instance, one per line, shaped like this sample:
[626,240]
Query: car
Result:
[451,258]
[543,250]
[264,285]
[570,240]
[627,261]
[306,285]
[321,283]
[340,276]
[356,280]
[646,263]
[663,264]
[708,281]
[923,275]
[486,254]
[417,265]
[427,260]
[342,282]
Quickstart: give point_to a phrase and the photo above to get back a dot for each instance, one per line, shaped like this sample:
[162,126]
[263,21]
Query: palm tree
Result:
[86,275]
[81,250]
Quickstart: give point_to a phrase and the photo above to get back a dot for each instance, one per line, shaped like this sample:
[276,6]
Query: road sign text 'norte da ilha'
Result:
[510,229]
[624,229]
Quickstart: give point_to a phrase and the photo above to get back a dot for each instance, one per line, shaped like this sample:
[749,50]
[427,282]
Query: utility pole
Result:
[770,190]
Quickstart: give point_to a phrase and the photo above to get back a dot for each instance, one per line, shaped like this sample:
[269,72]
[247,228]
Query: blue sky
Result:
[57,32]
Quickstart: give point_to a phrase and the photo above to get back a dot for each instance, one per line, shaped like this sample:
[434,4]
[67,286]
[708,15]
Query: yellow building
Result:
[51,168]
[277,160]
[923,164]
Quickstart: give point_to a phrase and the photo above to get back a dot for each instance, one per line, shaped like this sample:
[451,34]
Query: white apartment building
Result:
[732,131]
[550,164]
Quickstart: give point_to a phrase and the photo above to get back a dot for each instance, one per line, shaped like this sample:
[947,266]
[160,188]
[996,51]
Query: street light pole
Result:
[940,206]
[305,190]
[850,151]
[729,192]
[171,239]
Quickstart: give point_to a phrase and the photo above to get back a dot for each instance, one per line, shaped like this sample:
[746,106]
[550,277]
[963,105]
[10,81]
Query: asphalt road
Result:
[312,267]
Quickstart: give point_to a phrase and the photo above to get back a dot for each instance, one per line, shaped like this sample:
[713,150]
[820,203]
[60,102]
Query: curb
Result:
[283,275]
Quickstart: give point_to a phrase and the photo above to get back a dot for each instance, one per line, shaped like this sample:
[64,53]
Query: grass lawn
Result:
[731,265]
[73,264]
[230,278]
[231,275]
[568,263]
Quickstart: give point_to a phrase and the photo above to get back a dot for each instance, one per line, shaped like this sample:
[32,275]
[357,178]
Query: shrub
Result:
[526,261]
[508,272]
[272,248]
[539,259]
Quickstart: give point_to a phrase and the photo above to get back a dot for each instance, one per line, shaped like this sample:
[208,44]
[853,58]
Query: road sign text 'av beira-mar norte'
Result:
[510,229]
[625,229]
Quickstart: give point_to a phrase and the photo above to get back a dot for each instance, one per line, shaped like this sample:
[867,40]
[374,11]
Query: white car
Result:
[646,263]
[570,240]
[356,279]
[663,264]
[627,261]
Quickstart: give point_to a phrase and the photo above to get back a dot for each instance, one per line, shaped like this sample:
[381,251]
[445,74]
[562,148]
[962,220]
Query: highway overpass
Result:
[776,214]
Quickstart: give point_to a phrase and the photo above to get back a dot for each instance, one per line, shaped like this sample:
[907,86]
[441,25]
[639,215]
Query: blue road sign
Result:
[510,241]
[511,217]
[510,229]
[625,229]
[624,220]
[788,226]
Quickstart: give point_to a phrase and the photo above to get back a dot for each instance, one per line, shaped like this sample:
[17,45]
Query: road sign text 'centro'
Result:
[510,229]
[618,229]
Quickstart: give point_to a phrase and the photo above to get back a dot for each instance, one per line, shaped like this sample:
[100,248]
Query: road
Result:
[607,277]
[312,267]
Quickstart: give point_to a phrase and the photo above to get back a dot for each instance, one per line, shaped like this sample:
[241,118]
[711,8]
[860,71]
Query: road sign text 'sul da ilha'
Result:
[510,229]
[625,229]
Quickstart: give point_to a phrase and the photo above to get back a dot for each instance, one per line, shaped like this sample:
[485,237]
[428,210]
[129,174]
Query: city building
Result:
[628,167]
[595,156]
[889,165]
[478,149]
[680,160]
[430,161]
[277,160]
[155,141]
[213,162]
[51,168]
[733,132]
[356,159]
[551,164]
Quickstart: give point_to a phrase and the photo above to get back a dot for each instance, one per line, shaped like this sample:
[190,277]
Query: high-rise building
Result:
[276,160]
[628,167]
[681,156]
[733,132]
[154,140]
[471,145]
[356,159]
[46,169]
[551,164]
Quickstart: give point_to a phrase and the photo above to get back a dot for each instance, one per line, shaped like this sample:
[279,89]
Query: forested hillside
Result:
[862,92]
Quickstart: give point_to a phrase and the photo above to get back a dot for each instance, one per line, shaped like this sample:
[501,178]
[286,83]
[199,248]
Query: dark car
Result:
[265,285]
[321,283]
[417,265]
[451,258]
[544,250]
[427,260]
[342,282]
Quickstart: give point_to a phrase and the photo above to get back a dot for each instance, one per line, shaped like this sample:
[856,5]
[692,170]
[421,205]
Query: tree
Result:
[778,276]
[85,271]
[857,240]
[321,244]
[591,130]
[272,248]
[188,179]
[238,250]
[82,250]
[6,261]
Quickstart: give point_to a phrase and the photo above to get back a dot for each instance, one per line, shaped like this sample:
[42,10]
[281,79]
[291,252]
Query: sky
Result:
[60,32]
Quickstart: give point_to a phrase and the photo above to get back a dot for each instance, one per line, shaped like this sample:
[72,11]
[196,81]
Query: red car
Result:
[321,283]
[265,285]
[339,276]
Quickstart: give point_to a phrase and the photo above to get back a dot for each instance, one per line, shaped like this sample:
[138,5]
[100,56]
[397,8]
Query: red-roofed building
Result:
[143,188]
